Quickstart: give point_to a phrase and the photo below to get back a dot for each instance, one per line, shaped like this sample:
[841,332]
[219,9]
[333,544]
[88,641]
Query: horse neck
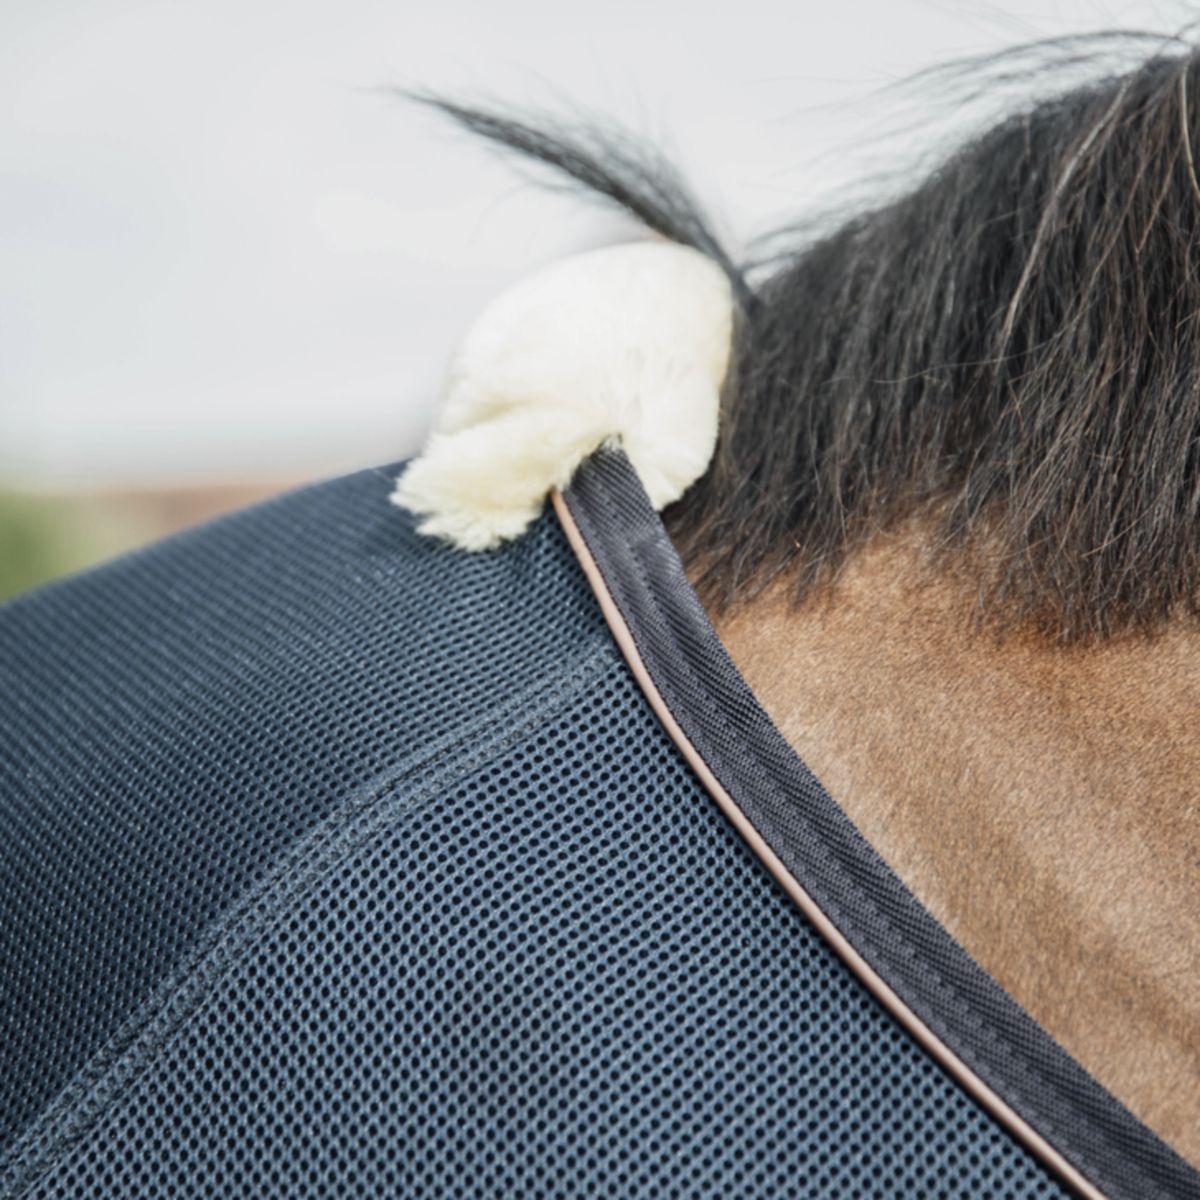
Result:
[1041,801]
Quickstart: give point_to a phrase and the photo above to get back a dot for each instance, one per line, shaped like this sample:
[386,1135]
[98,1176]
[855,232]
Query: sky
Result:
[230,252]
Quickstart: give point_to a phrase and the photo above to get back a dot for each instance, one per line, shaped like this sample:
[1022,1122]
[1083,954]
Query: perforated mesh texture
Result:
[171,722]
[479,932]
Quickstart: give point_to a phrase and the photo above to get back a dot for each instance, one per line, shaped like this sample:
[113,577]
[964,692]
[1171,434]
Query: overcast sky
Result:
[226,255]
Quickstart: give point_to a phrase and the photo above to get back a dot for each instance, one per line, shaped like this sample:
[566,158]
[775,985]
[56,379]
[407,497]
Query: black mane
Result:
[1010,351]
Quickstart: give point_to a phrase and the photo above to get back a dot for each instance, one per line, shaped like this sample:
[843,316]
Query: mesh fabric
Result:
[337,863]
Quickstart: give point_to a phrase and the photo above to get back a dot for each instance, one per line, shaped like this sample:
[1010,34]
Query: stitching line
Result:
[117,1067]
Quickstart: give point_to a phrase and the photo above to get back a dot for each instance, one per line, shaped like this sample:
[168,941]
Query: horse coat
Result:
[335,861]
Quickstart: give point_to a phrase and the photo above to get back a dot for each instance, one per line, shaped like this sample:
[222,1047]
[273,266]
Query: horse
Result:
[759,760]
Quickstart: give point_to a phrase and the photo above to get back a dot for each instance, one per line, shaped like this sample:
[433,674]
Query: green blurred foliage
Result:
[45,537]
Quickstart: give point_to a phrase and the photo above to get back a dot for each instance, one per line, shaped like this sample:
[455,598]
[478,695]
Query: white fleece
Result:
[628,344]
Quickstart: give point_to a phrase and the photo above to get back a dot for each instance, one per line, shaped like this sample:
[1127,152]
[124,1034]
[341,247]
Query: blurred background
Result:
[231,261]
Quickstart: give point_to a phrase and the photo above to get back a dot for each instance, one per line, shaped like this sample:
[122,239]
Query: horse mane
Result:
[1007,352]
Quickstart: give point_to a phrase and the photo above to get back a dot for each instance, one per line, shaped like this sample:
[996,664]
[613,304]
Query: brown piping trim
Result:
[955,1067]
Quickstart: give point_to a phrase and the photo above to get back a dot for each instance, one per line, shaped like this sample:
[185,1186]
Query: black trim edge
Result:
[976,1019]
